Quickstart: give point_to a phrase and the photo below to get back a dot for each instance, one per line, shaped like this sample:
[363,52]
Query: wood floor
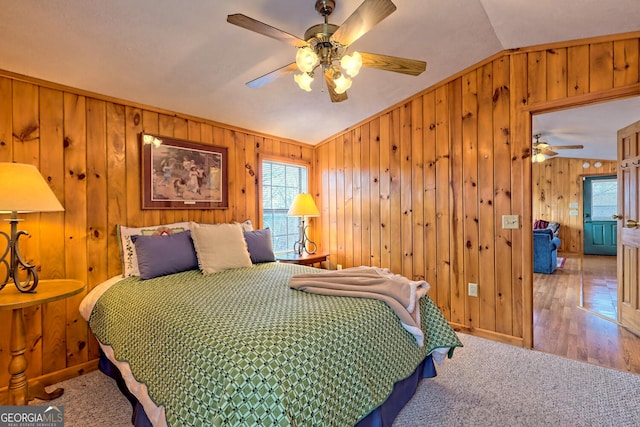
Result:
[563,328]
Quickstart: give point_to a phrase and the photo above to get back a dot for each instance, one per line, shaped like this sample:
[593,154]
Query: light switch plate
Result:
[473,289]
[510,222]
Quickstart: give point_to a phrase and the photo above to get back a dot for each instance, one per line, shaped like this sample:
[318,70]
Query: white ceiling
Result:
[184,56]
[594,126]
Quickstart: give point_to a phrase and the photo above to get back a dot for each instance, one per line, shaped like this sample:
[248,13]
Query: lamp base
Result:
[16,261]
[304,244]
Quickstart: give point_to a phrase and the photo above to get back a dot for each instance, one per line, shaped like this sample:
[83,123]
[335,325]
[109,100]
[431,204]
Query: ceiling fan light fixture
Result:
[351,63]
[306,59]
[326,44]
[304,81]
[538,157]
[540,145]
[342,83]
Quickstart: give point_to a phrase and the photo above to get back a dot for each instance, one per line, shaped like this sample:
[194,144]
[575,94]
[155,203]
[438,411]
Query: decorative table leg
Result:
[18,366]
[37,391]
[20,391]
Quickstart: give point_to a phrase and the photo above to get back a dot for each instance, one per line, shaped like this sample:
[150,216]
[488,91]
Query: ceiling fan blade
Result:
[364,18]
[331,87]
[566,147]
[269,77]
[548,152]
[267,30]
[393,63]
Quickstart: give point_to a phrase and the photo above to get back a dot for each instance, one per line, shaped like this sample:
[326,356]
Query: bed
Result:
[240,347]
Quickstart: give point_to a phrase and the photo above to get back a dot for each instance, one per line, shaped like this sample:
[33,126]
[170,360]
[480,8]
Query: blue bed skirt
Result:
[382,416]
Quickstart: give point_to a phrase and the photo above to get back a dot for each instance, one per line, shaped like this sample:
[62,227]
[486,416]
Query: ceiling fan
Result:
[542,150]
[325,45]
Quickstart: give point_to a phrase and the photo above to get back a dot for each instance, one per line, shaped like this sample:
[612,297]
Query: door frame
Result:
[523,135]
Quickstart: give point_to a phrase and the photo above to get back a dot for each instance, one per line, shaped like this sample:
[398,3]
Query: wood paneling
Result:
[87,147]
[557,183]
[455,158]
[419,188]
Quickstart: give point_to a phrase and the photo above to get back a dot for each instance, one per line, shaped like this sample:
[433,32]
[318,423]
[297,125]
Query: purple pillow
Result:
[259,245]
[162,255]
[540,224]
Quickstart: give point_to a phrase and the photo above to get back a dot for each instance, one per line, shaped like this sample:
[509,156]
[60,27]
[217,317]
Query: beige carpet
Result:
[485,384]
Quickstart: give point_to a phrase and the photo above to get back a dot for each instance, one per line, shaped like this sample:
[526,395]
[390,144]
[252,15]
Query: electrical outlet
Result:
[339,266]
[473,289]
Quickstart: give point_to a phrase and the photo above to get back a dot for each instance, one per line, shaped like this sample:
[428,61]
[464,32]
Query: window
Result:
[604,198]
[281,183]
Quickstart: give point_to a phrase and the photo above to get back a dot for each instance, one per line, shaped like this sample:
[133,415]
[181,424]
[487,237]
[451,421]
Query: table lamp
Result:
[304,206]
[22,190]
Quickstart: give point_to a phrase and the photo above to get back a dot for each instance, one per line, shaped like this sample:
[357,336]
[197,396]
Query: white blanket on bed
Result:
[400,293]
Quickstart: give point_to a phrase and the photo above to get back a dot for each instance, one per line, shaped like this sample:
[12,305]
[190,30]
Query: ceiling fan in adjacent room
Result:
[325,48]
[542,150]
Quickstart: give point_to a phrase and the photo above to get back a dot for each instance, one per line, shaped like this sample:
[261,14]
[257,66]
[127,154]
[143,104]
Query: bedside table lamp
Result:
[22,190]
[303,206]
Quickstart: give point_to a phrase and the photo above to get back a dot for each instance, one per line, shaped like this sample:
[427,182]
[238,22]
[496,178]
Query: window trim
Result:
[286,161]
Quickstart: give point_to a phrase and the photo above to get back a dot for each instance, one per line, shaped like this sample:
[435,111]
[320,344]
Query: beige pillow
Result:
[220,247]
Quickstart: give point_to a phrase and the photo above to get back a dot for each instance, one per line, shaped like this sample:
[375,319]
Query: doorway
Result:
[579,305]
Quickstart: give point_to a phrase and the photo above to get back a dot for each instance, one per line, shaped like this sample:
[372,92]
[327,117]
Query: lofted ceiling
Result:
[183,55]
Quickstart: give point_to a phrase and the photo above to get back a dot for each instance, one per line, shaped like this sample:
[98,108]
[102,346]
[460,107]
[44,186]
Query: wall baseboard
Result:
[494,336]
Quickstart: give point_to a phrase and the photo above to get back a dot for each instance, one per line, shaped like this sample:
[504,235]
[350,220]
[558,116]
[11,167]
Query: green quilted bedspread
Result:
[240,348]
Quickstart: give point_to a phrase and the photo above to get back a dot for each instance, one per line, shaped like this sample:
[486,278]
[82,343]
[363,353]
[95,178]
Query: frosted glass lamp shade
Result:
[342,84]
[304,81]
[306,59]
[352,63]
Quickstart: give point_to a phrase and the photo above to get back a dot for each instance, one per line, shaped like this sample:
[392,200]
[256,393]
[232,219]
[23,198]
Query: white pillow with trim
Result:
[220,247]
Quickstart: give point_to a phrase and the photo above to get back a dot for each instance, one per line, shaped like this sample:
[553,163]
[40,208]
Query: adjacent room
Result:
[320,212]
[575,193]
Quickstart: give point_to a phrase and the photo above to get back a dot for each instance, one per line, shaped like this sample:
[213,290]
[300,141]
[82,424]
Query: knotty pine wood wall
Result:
[88,147]
[557,183]
[421,187]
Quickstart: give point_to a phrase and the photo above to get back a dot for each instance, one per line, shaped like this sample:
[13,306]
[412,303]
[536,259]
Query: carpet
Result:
[485,384]
[560,262]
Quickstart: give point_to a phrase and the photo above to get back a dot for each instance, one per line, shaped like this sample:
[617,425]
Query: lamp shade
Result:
[303,205]
[352,63]
[23,189]
[306,59]
[538,158]
[304,81]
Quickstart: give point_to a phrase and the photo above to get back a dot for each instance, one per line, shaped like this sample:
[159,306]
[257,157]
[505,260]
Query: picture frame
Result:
[179,174]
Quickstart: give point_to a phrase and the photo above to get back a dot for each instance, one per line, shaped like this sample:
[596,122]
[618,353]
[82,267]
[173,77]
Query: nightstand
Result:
[305,259]
[20,391]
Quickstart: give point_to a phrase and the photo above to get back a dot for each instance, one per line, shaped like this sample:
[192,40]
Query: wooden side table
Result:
[305,259]
[20,392]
